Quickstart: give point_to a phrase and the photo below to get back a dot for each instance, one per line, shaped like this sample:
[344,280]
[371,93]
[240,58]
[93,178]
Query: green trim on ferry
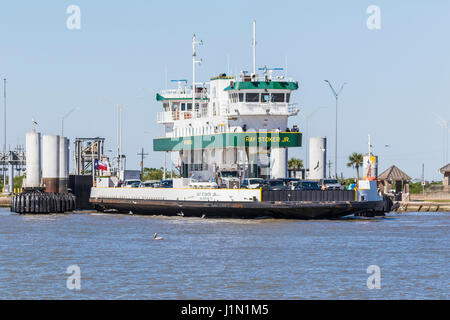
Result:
[245,85]
[235,139]
[161,98]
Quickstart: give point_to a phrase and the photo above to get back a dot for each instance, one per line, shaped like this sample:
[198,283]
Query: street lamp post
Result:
[336,95]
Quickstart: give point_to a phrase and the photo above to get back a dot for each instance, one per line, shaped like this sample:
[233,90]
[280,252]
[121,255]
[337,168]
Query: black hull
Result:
[247,210]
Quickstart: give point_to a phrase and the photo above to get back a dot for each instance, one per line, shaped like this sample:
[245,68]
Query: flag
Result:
[100,165]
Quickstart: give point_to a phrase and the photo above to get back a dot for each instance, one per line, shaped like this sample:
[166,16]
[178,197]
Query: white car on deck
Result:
[132,183]
[252,183]
[331,184]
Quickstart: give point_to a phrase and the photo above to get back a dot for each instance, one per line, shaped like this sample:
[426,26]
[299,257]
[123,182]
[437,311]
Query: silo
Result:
[50,162]
[63,169]
[370,161]
[68,157]
[278,163]
[33,159]
[317,158]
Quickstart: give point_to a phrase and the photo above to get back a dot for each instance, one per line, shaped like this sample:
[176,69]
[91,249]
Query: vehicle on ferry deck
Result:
[275,184]
[307,185]
[291,182]
[331,184]
[132,183]
[252,183]
[166,183]
[150,184]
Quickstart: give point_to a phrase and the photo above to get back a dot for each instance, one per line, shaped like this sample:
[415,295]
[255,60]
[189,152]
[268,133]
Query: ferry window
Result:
[175,106]
[265,97]
[241,97]
[252,97]
[277,97]
[183,106]
[166,106]
[288,95]
[197,106]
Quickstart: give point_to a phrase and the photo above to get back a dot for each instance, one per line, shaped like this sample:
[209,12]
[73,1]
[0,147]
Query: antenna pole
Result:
[193,72]
[254,46]
[194,61]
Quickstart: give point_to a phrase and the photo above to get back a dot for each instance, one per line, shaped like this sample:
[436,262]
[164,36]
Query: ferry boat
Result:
[222,132]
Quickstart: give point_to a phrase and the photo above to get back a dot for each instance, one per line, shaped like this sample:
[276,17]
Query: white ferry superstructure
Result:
[222,132]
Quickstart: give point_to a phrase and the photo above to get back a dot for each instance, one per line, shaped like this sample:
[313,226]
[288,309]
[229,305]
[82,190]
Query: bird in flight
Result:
[34,122]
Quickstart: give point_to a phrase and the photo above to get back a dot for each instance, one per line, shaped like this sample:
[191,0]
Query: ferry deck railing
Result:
[308,195]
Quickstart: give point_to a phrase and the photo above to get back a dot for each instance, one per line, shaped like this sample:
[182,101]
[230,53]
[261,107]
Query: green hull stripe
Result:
[223,140]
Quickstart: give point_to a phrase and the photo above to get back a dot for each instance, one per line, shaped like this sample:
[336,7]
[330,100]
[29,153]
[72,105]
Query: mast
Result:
[254,46]
[194,61]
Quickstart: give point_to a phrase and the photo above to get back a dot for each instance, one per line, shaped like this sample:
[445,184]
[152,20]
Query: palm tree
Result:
[295,165]
[355,160]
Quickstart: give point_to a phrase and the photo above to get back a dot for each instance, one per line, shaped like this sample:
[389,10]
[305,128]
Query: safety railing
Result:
[308,195]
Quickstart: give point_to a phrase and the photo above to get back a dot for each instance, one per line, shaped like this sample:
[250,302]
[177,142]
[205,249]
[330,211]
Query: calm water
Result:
[223,259]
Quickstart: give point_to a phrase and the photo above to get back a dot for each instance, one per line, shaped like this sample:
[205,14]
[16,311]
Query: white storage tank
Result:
[50,162]
[278,163]
[33,159]
[317,158]
[63,164]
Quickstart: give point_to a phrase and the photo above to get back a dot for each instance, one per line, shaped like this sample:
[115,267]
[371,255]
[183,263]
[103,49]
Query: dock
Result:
[421,206]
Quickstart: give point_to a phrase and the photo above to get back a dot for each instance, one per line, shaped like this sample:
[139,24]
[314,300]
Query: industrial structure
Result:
[12,161]
[87,150]
[47,173]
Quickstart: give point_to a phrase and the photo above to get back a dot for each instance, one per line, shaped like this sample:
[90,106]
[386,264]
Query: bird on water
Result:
[155,237]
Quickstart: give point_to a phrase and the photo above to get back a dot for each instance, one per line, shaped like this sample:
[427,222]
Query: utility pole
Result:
[4,132]
[142,154]
[329,168]
[423,180]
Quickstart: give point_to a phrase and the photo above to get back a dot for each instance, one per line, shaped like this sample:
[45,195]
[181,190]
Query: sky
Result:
[398,76]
